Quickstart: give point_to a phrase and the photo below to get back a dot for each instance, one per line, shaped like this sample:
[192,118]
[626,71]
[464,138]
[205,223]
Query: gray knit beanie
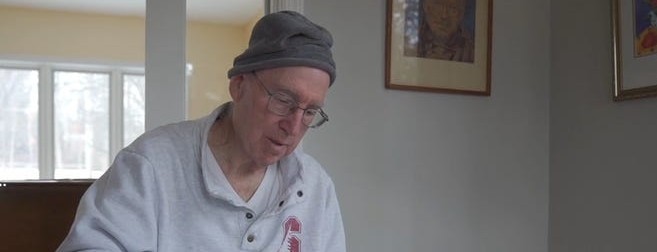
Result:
[286,38]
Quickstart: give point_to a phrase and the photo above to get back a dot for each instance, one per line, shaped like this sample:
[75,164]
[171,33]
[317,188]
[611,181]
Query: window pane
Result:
[133,107]
[81,124]
[19,109]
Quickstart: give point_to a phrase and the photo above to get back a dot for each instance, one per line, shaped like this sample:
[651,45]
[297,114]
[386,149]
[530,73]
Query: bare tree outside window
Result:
[77,141]
[19,148]
[81,124]
[134,94]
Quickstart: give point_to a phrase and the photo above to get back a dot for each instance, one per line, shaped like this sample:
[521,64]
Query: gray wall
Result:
[603,173]
[436,172]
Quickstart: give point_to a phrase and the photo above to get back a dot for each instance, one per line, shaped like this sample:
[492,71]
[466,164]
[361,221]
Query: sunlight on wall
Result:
[104,39]
[210,49]
[40,34]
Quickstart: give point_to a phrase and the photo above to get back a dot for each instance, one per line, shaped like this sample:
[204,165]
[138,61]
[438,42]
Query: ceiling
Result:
[237,12]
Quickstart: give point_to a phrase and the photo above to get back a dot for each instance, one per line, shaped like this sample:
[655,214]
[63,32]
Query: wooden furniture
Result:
[36,215]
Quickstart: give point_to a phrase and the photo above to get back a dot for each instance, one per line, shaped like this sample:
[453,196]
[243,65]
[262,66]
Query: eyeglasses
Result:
[283,105]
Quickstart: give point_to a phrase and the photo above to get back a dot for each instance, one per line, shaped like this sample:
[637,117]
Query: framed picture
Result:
[635,48]
[439,46]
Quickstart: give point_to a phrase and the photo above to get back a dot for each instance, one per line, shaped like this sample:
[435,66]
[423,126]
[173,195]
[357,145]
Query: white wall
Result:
[603,174]
[437,172]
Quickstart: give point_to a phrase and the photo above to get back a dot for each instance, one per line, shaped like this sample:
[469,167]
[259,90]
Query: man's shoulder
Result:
[166,135]
[178,133]
[173,139]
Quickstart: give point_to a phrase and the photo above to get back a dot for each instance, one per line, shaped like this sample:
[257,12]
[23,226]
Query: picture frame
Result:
[439,46]
[635,49]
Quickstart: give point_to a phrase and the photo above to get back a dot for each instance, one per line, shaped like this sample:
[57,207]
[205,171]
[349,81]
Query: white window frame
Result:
[46,104]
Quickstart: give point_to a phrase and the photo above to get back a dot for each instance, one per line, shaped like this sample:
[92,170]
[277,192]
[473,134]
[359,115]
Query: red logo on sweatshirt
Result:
[292,227]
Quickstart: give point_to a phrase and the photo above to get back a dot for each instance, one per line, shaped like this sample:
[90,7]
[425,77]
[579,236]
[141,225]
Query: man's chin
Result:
[273,158]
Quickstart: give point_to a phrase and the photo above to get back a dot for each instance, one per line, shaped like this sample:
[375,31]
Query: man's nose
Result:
[292,124]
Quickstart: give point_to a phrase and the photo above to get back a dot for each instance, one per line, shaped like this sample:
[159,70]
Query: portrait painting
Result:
[645,24]
[440,29]
[439,46]
[635,49]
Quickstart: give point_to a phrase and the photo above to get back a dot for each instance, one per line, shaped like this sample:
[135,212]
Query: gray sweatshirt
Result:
[160,194]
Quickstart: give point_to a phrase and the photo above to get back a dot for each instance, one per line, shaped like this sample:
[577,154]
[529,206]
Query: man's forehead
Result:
[301,86]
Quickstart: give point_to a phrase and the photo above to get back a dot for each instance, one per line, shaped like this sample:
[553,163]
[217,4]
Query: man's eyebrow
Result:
[295,97]
[287,92]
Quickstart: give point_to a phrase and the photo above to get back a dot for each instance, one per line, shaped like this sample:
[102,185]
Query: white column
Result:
[166,96]
[46,117]
[280,5]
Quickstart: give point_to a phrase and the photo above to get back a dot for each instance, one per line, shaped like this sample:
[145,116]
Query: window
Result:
[19,99]
[66,121]
[134,94]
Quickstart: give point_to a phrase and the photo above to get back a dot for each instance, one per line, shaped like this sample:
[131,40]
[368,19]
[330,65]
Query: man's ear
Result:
[236,87]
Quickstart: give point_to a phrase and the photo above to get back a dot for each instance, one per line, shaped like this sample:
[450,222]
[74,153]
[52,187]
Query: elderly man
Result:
[234,180]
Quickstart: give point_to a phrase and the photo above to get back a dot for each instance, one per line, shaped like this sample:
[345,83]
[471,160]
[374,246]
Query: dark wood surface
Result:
[36,216]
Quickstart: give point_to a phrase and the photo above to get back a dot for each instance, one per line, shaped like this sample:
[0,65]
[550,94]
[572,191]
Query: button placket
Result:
[251,239]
